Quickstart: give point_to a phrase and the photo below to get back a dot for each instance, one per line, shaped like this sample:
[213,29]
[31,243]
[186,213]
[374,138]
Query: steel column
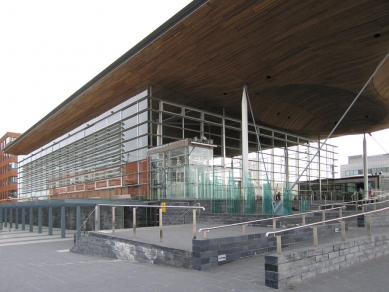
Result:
[39,219]
[365,174]
[10,218]
[78,222]
[23,218]
[31,219]
[50,220]
[63,222]
[17,218]
[245,143]
[5,217]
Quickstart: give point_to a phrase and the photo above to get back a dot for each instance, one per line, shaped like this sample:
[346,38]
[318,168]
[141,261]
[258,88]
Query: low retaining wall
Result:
[210,253]
[103,245]
[283,270]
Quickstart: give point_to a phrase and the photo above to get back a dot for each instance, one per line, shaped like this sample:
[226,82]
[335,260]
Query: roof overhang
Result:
[304,63]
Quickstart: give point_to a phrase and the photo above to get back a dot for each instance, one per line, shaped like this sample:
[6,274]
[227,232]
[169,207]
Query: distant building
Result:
[376,164]
[8,169]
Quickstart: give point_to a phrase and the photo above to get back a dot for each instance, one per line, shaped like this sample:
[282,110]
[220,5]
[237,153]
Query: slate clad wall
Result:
[110,246]
[206,252]
[283,270]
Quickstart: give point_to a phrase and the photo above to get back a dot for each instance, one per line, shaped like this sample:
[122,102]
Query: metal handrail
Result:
[243,224]
[185,213]
[326,221]
[83,225]
[364,202]
[313,225]
[151,206]
[355,201]
[193,208]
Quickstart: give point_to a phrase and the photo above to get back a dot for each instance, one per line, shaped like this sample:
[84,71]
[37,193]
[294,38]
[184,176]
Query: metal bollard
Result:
[134,222]
[160,225]
[279,251]
[343,230]
[194,224]
[113,220]
[315,239]
[368,221]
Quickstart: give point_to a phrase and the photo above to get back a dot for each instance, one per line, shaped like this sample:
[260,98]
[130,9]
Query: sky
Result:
[49,49]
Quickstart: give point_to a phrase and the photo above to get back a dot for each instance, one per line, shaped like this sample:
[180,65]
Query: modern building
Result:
[377,164]
[228,100]
[8,170]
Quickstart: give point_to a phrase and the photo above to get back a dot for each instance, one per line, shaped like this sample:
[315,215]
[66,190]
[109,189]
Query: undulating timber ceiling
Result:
[304,63]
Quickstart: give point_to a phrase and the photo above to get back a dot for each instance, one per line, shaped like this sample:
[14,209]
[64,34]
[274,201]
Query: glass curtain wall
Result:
[107,156]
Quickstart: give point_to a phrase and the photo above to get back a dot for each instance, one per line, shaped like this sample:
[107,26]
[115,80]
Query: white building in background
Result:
[377,165]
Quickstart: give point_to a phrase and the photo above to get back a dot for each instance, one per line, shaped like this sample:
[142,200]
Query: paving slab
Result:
[45,265]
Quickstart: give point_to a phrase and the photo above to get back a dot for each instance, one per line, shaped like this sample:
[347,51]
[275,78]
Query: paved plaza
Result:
[38,262]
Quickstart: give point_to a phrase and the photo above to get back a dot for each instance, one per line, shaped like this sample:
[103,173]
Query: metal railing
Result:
[161,208]
[83,225]
[244,224]
[174,222]
[341,220]
[360,203]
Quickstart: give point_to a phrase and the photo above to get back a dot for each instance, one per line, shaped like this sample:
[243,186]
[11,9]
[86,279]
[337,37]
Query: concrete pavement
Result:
[43,263]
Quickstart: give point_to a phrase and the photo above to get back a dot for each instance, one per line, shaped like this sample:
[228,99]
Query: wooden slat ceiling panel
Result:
[305,60]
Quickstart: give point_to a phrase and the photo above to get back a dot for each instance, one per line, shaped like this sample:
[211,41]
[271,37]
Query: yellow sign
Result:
[163,204]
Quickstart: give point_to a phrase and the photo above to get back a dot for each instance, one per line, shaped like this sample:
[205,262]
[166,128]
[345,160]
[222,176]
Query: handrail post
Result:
[356,205]
[134,222]
[243,228]
[368,221]
[194,224]
[97,218]
[323,216]
[84,227]
[315,239]
[340,213]
[205,234]
[375,206]
[279,250]
[343,230]
[274,224]
[363,208]
[160,225]
[303,219]
[113,220]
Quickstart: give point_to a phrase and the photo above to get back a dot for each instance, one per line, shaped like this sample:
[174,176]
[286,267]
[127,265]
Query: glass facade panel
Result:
[115,144]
